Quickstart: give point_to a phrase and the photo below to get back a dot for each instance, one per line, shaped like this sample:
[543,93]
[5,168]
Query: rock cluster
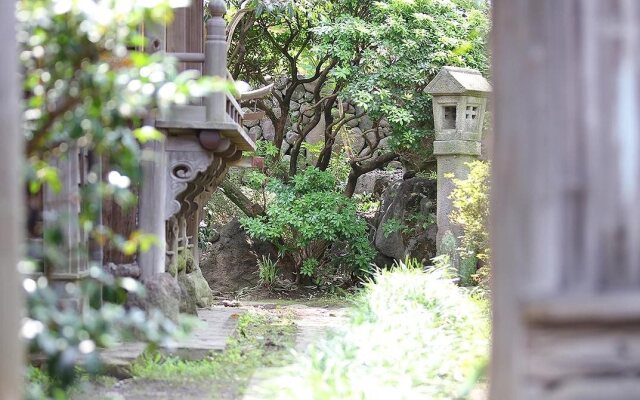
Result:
[410,203]
[302,112]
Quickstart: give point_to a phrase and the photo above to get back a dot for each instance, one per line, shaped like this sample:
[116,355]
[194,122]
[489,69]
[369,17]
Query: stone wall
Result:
[302,113]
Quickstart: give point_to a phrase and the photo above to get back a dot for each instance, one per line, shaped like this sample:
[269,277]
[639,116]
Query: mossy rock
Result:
[188,296]
[197,288]
[184,263]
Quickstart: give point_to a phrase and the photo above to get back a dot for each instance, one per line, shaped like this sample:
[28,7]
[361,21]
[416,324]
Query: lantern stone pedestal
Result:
[459,104]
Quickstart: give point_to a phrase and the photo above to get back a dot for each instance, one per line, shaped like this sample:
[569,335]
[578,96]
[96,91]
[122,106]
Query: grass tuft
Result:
[413,335]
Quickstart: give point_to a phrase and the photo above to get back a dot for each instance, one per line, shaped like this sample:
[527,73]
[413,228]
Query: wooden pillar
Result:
[153,193]
[11,210]
[565,202]
[62,211]
[215,64]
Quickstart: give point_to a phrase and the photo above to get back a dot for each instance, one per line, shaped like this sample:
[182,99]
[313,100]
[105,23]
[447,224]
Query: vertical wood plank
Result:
[566,181]
[11,210]
[151,207]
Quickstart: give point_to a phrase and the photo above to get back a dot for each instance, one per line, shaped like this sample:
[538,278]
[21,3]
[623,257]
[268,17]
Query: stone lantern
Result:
[459,105]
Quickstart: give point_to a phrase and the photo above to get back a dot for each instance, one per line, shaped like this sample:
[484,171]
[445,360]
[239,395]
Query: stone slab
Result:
[219,323]
[452,147]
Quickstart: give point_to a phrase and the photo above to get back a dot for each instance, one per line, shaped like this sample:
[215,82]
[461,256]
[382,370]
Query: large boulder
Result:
[231,263]
[197,287]
[408,206]
[188,296]
[162,294]
[376,182]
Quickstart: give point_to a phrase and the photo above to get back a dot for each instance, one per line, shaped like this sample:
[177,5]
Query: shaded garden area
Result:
[315,121]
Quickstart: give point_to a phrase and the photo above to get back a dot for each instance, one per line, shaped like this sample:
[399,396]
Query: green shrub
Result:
[471,211]
[413,335]
[307,215]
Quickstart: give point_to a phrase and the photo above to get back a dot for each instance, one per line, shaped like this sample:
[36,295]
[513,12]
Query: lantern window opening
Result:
[472,112]
[450,116]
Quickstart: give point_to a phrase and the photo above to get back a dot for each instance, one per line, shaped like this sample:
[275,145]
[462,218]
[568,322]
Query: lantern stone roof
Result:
[456,80]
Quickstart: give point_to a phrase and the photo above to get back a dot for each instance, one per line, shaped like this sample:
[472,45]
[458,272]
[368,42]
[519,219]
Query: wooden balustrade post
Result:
[11,210]
[215,64]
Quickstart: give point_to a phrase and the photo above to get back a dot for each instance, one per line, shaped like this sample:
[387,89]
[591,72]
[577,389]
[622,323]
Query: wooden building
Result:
[202,140]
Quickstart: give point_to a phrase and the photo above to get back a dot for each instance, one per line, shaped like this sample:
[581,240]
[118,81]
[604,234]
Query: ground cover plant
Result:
[413,335]
[262,340]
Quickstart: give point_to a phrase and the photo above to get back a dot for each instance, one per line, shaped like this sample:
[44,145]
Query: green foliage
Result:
[408,264]
[68,338]
[268,271]
[378,55]
[391,226]
[400,46]
[471,210]
[307,213]
[309,267]
[411,226]
[413,335]
[366,203]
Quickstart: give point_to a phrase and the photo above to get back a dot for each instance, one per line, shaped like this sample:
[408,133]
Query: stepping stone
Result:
[219,324]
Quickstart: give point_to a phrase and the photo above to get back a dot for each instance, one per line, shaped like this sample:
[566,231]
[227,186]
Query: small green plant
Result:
[471,211]
[408,264]
[430,175]
[366,203]
[413,224]
[393,225]
[309,267]
[268,271]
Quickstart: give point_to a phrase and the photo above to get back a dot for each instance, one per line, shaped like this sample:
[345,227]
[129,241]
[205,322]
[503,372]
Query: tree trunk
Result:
[352,181]
[357,170]
[235,195]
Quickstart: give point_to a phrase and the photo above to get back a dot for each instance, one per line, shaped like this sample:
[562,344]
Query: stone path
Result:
[313,324]
[218,324]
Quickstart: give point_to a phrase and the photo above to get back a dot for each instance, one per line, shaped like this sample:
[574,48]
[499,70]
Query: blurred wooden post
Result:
[154,182]
[566,200]
[11,210]
[62,211]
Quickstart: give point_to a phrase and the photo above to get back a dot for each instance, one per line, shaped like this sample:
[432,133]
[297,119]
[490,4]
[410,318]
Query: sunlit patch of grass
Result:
[413,335]
[261,340]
